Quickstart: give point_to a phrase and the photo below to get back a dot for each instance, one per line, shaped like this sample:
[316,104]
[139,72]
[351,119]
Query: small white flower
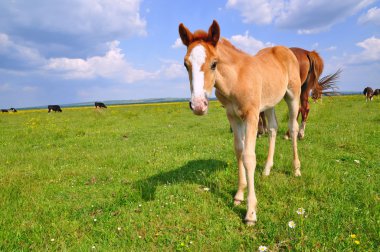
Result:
[263,248]
[337,160]
[95,220]
[52,239]
[119,228]
[140,236]
[139,205]
[93,247]
[206,189]
[300,211]
[357,161]
[291,224]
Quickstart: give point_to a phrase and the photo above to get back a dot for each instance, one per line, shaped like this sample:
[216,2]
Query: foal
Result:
[245,85]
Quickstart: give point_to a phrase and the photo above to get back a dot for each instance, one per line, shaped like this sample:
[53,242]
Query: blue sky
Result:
[58,52]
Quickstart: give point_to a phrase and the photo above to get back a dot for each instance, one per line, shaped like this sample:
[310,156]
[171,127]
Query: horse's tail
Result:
[327,85]
[316,68]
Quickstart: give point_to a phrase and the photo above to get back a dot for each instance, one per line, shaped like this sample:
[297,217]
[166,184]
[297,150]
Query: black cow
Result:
[13,110]
[368,93]
[100,105]
[4,110]
[55,108]
[376,92]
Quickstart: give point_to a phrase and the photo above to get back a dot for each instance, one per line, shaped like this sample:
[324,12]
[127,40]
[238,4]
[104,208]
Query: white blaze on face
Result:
[197,59]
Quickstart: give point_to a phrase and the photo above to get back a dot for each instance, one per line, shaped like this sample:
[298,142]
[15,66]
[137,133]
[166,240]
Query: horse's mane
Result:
[201,35]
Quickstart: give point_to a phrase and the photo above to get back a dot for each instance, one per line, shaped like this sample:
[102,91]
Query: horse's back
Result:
[280,72]
[279,61]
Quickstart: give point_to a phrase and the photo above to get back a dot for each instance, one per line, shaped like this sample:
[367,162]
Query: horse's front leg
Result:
[249,160]
[238,130]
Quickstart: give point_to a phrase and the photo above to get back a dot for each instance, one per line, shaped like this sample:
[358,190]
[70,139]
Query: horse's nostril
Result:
[190,105]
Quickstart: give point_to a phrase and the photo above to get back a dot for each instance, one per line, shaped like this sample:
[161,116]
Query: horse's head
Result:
[200,61]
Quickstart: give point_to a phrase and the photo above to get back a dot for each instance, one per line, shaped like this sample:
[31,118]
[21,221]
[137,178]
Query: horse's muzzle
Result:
[199,105]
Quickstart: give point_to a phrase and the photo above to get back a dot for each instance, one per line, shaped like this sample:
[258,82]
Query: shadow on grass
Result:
[194,172]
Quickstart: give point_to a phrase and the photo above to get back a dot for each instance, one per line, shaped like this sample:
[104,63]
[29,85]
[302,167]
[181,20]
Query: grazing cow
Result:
[4,110]
[100,105]
[368,93]
[55,108]
[376,92]
[13,110]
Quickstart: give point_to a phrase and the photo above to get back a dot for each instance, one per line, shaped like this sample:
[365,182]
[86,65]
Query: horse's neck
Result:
[229,66]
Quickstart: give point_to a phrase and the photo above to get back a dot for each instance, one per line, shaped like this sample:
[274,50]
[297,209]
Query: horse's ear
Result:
[214,33]
[185,34]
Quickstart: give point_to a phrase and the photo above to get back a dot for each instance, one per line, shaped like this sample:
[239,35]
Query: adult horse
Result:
[245,85]
[311,68]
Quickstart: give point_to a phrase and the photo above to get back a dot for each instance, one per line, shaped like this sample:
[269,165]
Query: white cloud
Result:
[5,87]
[306,17]
[173,70]
[78,17]
[370,53]
[331,48]
[112,65]
[249,44]
[29,89]
[178,44]
[372,16]
[17,51]
[257,11]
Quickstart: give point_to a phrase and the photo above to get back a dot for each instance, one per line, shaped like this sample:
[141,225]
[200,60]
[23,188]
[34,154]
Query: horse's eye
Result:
[213,65]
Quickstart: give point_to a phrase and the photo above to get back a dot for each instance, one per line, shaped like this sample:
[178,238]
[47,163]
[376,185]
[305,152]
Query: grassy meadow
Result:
[157,178]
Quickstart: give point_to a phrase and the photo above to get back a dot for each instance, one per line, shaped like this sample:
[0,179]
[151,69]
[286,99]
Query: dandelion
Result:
[300,211]
[263,248]
[357,242]
[291,224]
[353,236]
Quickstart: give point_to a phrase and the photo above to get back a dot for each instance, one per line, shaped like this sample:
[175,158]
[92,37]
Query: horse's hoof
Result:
[266,173]
[250,223]
[286,137]
[301,136]
[237,202]
[297,173]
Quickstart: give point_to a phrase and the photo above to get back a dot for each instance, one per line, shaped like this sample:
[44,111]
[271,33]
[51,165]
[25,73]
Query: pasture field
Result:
[157,178]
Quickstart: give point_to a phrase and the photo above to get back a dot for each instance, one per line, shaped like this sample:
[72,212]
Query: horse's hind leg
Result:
[305,107]
[293,104]
[272,133]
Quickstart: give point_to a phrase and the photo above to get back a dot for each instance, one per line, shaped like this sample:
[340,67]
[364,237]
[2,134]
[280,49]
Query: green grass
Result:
[141,173]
